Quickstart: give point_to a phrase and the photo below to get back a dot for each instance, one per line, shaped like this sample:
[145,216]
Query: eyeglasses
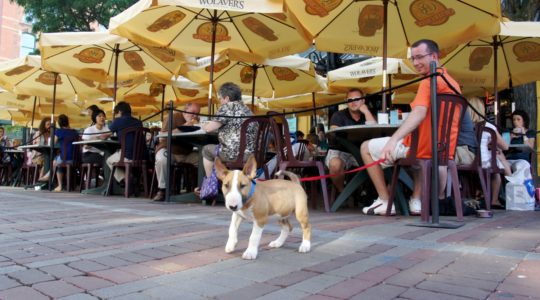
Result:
[354,99]
[418,57]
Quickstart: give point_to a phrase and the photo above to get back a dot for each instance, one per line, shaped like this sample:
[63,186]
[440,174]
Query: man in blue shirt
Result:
[123,120]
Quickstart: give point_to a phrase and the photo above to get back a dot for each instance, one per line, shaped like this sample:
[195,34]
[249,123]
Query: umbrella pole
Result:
[314,110]
[162,102]
[169,153]
[33,116]
[385,53]
[51,137]
[495,80]
[254,69]
[212,55]
[115,87]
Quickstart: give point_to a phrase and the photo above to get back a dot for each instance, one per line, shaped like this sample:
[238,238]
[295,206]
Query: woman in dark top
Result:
[520,134]
[63,135]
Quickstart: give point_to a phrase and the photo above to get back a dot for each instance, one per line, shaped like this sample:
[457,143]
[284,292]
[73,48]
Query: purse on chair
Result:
[210,185]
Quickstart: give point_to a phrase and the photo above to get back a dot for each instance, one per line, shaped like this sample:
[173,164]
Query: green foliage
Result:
[520,10]
[70,15]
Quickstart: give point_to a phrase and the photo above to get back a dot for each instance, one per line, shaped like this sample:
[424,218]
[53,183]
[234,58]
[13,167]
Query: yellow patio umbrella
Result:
[200,28]
[368,76]
[510,58]
[289,75]
[105,57]
[303,102]
[363,27]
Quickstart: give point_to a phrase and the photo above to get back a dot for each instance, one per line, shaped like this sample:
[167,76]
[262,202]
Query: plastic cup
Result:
[382,118]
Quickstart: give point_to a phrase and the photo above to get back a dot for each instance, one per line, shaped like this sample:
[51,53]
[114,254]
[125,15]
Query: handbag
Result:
[210,185]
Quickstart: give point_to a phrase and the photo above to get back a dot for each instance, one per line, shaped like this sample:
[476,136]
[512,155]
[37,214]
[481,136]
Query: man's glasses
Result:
[354,99]
[418,57]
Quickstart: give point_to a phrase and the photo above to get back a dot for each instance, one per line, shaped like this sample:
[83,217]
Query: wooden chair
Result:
[493,168]
[449,107]
[474,168]
[70,165]
[138,161]
[261,127]
[29,170]
[286,158]
[89,171]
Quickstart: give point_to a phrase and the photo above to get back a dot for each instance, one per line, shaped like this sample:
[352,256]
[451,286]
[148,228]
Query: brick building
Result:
[15,34]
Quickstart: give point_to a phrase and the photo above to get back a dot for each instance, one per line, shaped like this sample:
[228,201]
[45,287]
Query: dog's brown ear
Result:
[221,169]
[250,168]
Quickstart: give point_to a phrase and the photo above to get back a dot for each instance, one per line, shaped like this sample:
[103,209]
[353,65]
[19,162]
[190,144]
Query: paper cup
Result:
[382,118]
[404,116]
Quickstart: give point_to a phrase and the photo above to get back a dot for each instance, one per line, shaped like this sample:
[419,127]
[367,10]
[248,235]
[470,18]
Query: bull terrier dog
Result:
[256,201]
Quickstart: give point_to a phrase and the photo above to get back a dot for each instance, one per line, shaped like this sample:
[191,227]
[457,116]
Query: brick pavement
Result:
[77,247]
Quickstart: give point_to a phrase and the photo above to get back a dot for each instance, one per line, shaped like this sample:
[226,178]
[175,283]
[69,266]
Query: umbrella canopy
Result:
[368,76]
[356,26]
[259,28]
[303,101]
[105,57]
[24,76]
[279,77]
[362,27]
[256,30]
[510,58]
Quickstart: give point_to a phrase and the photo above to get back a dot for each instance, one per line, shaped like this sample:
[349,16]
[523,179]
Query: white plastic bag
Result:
[520,187]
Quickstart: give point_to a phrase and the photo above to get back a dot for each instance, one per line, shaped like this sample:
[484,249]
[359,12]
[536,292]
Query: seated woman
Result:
[485,153]
[61,135]
[41,159]
[230,97]
[520,134]
[95,132]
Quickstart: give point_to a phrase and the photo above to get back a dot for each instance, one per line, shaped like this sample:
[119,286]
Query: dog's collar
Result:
[251,191]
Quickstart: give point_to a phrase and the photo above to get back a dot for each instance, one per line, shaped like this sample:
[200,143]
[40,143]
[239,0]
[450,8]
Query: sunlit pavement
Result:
[72,246]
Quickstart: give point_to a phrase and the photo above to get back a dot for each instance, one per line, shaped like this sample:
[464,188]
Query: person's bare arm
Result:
[417,115]
[211,126]
[501,144]
[369,116]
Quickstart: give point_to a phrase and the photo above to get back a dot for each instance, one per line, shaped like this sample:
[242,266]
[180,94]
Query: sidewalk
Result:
[72,246]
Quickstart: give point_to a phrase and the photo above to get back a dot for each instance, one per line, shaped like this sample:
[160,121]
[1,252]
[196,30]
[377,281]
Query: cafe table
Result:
[349,138]
[197,138]
[108,147]
[46,151]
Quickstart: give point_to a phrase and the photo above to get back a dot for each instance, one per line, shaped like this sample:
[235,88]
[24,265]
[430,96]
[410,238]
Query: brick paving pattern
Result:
[71,246]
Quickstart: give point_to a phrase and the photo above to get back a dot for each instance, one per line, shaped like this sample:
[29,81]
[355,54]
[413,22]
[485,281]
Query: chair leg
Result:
[457,193]
[68,178]
[127,180]
[324,188]
[153,185]
[110,182]
[426,184]
[393,187]
[145,179]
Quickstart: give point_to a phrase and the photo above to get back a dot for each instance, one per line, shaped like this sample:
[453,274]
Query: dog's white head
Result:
[237,185]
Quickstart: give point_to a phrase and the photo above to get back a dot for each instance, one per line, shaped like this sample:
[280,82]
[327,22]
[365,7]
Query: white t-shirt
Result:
[92,133]
[485,153]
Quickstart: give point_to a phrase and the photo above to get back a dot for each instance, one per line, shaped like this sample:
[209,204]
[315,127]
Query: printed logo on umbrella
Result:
[19,70]
[166,21]
[321,8]
[430,12]
[527,51]
[204,33]
[92,55]
[370,19]
[47,78]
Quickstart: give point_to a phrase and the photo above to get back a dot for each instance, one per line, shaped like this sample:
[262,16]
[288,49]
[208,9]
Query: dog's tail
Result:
[294,178]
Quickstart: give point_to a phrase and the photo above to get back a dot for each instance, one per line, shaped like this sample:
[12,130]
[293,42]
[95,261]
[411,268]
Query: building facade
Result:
[15,34]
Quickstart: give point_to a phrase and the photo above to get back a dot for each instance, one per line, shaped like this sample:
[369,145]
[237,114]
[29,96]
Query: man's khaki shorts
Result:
[376,146]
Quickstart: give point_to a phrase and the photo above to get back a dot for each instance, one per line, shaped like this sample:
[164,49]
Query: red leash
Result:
[377,162]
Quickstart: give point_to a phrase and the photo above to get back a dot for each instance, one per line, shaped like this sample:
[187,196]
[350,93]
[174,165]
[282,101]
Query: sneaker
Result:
[415,206]
[375,203]
[160,196]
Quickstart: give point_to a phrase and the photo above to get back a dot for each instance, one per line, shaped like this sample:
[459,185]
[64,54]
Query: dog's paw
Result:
[250,254]
[229,247]
[304,247]
[275,244]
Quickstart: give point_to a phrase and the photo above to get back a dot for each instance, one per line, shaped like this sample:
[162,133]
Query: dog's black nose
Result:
[233,208]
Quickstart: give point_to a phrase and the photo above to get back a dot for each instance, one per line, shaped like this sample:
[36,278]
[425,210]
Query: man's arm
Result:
[211,126]
[417,115]
[369,116]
